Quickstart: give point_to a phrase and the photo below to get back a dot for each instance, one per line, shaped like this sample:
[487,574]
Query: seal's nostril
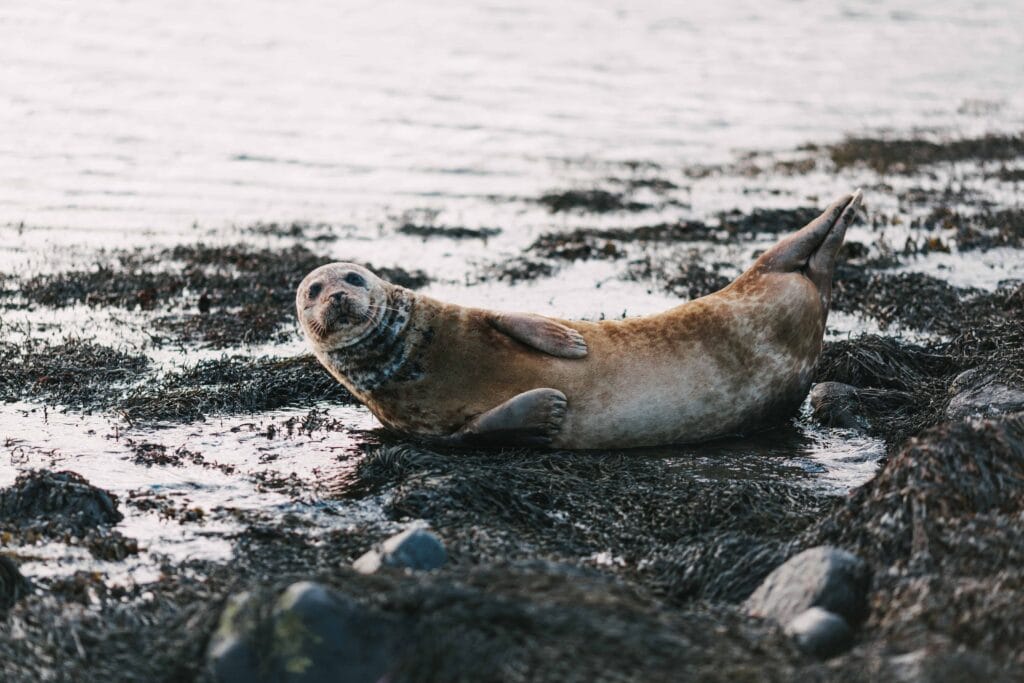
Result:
[337,297]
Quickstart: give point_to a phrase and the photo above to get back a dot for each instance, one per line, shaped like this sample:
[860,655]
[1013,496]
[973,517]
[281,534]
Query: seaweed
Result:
[895,155]
[231,385]
[943,517]
[449,232]
[240,294]
[74,372]
[593,201]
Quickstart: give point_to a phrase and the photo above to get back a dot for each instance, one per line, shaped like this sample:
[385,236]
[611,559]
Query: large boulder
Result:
[974,393]
[311,634]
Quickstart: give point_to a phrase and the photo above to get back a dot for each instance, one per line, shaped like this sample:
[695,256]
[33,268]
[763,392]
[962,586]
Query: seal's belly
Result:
[681,402]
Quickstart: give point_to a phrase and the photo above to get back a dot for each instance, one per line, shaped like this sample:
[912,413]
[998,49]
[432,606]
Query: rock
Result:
[312,634]
[941,665]
[230,654]
[60,499]
[12,584]
[820,633]
[834,404]
[825,577]
[979,394]
[416,549]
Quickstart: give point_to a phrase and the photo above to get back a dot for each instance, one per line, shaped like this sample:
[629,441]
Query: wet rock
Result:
[934,665]
[835,404]
[825,577]
[416,549]
[57,499]
[12,584]
[976,393]
[311,634]
[820,633]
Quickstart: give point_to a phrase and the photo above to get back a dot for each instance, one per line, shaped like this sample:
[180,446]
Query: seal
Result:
[730,363]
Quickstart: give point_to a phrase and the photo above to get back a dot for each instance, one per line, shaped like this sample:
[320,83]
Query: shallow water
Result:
[146,124]
[146,115]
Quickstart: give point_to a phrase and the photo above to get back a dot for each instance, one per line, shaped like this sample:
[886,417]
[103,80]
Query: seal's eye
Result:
[315,289]
[355,279]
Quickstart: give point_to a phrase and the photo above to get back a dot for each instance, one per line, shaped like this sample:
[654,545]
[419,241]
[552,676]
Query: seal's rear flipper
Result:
[813,248]
[543,334]
[532,418]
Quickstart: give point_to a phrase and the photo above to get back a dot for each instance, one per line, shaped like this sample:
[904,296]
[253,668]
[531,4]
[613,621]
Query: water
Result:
[147,115]
[150,124]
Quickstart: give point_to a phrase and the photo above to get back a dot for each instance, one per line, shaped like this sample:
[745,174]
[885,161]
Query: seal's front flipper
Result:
[533,418]
[541,333]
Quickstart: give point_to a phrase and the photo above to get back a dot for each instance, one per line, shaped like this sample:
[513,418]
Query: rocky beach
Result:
[187,495]
[719,561]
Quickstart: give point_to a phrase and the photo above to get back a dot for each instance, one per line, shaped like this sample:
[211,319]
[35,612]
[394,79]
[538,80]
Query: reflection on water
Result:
[252,467]
[249,466]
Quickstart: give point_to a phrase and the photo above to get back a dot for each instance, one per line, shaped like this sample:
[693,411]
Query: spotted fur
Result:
[729,363]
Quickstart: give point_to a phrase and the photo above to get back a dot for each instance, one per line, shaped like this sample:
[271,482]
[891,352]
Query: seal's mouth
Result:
[317,329]
[333,315]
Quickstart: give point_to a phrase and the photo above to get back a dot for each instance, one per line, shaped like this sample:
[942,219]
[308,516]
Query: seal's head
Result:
[339,304]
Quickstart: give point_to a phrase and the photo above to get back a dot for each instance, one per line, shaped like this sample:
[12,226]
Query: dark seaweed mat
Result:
[986,331]
[232,295]
[90,376]
[57,499]
[73,373]
[944,518]
[588,243]
[234,384]
[454,232]
[563,506]
[593,201]
[516,604]
[908,155]
[985,230]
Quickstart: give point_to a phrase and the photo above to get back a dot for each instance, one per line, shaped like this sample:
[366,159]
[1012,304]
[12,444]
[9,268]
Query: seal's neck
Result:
[385,352]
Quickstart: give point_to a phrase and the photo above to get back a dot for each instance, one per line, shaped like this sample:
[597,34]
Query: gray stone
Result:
[820,633]
[311,634]
[977,394]
[824,577]
[416,549]
[834,404]
[942,665]
[230,653]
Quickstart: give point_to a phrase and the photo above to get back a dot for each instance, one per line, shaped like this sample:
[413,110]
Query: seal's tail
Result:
[813,248]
